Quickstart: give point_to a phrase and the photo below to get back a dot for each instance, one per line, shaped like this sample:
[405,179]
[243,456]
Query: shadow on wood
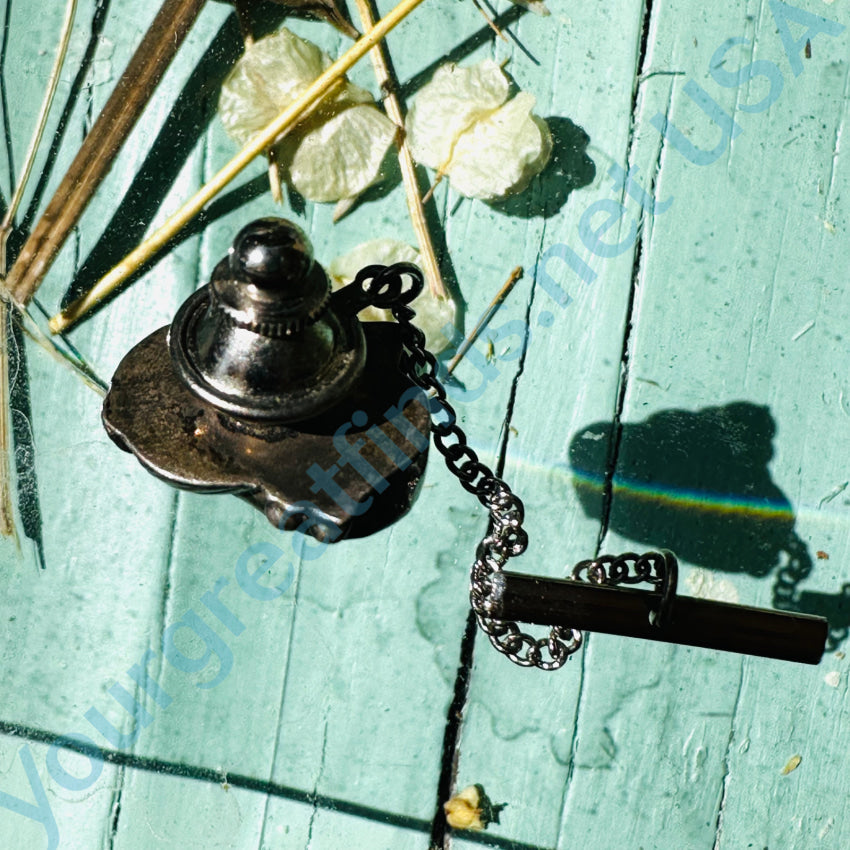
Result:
[698,483]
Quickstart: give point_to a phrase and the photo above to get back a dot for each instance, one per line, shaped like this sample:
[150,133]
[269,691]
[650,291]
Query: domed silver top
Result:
[262,340]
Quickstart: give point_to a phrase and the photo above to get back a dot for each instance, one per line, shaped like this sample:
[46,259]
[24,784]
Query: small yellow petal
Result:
[793,764]
[462,811]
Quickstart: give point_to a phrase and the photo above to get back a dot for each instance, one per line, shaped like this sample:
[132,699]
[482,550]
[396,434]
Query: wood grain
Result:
[708,347]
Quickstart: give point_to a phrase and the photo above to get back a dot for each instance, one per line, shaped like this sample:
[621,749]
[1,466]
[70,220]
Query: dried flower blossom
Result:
[337,151]
[463,124]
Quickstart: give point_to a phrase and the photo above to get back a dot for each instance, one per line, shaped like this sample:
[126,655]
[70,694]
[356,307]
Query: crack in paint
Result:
[724,779]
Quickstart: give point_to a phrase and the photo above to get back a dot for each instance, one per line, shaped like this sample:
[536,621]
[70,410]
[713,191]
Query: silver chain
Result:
[383,286]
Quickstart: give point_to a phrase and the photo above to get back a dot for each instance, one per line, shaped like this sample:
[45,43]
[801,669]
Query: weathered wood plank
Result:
[87,504]
[154,815]
[519,736]
[340,687]
[642,738]
[73,632]
[739,280]
[45,813]
[323,662]
[718,300]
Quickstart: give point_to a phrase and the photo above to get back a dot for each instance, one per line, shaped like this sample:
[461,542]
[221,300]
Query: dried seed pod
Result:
[463,124]
[337,151]
[432,313]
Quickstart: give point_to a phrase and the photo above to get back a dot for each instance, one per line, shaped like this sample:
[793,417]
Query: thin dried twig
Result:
[7,517]
[516,275]
[243,15]
[326,10]
[384,76]
[342,208]
[274,176]
[490,22]
[72,360]
[438,177]
[257,145]
[97,153]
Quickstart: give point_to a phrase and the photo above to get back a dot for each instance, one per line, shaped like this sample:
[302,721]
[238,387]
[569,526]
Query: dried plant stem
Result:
[274,176]
[515,275]
[7,517]
[342,207]
[490,22]
[415,206]
[257,145]
[97,153]
[71,360]
[243,15]
[437,179]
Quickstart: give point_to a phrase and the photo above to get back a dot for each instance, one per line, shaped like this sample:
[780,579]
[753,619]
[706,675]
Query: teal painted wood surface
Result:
[699,373]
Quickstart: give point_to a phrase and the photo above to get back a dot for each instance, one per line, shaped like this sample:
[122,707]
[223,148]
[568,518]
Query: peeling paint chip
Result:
[703,585]
[793,764]
[833,678]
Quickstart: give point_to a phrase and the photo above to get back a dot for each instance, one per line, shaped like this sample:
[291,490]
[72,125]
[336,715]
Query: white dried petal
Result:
[382,252]
[502,153]
[452,102]
[342,156]
[432,314]
[336,152]
[273,72]
[463,124]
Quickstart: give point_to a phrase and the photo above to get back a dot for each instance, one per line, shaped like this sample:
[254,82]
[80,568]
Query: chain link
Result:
[506,537]
[660,569]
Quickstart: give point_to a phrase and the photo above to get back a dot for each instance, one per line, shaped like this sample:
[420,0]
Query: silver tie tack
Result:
[267,386]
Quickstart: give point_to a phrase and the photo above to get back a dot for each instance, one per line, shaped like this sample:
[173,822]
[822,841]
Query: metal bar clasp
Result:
[601,604]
